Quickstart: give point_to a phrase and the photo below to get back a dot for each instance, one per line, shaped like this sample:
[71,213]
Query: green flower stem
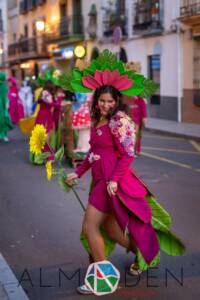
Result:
[78,198]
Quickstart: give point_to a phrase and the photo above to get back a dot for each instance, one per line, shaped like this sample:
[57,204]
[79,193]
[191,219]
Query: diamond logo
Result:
[102,278]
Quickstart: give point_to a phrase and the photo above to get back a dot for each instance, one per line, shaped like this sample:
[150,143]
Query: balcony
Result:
[27,48]
[69,27]
[147,19]
[27,5]
[190,15]
[110,22]
[191,9]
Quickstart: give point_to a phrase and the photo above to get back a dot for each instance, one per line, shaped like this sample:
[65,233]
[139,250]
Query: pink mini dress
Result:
[110,158]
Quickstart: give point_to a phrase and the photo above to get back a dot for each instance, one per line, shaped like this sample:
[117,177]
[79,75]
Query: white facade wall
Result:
[4,33]
[140,49]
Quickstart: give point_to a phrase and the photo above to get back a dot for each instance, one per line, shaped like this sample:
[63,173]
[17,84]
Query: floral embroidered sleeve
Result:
[87,163]
[123,131]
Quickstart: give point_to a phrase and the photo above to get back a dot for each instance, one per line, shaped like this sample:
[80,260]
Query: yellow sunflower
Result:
[38,139]
[49,170]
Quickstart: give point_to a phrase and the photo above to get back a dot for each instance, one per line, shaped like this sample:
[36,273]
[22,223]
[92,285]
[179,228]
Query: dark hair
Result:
[49,86]
[116,95]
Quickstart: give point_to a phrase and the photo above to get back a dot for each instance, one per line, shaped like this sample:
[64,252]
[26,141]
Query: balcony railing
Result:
[110,22]
[28,48]
[27,5]
[190,9]
[68,26]
[147,16]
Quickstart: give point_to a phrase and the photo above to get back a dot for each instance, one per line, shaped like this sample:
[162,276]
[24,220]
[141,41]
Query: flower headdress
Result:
[107,70]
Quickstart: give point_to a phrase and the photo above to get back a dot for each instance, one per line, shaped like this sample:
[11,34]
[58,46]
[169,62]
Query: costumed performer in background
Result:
[15,108]
[26,96]
[138,110]
[81,122]
[5,122]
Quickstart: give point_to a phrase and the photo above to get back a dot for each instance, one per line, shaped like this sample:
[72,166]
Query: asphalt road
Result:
[40,224]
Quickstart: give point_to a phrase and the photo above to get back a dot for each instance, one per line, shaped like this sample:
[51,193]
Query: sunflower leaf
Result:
[59,154]
[65,187]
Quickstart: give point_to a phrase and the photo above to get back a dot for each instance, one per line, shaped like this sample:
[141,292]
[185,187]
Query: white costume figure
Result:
[81,121]
[26,96]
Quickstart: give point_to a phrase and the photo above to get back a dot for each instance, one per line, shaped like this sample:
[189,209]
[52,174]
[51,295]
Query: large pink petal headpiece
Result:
[107,77]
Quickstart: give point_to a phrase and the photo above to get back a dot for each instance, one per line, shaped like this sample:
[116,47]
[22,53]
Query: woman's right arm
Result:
[79,171]
[84,166]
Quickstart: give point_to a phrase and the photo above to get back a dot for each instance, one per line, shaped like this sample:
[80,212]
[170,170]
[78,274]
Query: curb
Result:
[9,288]
[174,134]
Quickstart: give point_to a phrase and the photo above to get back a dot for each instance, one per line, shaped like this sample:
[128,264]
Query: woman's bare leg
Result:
[116,234]
[91,228]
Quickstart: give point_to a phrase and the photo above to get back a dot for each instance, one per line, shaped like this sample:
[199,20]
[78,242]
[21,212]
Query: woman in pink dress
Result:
[46,101]
[119,202]
[139,115]
[15,108]
[117,199]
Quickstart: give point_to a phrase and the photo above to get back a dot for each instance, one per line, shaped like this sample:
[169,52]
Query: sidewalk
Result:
[186,130]
[9,288]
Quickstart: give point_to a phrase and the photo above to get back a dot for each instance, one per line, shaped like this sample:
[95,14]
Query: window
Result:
[26,31]
[34,32]
[147,15]
[154,74]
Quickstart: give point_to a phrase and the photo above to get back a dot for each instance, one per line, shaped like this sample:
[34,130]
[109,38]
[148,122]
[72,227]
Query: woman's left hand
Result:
[112,188]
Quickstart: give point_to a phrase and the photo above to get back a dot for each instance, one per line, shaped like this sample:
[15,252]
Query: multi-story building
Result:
[42,32]
[3,34]
[148,34]
[151,33]
[163,35]
[190,17]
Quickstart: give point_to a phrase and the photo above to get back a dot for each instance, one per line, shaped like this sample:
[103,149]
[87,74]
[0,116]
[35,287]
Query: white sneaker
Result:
[134,270]
[83,289]
[6,139]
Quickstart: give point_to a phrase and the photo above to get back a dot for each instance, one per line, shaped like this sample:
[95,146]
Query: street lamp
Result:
[79,51]
[40,25]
